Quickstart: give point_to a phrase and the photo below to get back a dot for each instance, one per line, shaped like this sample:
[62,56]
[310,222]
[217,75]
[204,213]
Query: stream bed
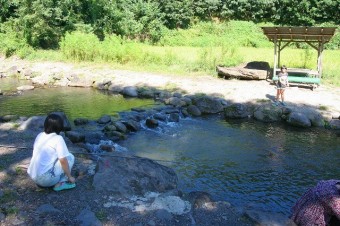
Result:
[252,165]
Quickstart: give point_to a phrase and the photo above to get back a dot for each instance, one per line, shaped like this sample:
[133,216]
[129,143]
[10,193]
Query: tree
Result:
[177,13]
[307,12]
[207,9]
[43,22]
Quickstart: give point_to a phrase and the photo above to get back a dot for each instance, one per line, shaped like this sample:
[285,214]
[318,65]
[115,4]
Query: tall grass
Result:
[238,33]
[86,47]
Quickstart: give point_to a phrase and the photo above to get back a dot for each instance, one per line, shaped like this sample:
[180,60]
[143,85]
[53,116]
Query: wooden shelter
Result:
[316,37]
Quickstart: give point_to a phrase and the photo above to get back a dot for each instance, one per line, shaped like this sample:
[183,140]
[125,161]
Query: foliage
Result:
[11,44]
[307,12]
[205,34]
[178,13]
[43,23]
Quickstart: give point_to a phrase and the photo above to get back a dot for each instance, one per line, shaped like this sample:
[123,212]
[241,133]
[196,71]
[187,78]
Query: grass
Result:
[8,196]
[323,108]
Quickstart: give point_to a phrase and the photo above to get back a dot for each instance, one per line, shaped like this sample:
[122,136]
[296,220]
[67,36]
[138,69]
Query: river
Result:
[262,166]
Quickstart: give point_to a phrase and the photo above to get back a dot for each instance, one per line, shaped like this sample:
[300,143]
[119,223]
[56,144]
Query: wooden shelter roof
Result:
[300,34]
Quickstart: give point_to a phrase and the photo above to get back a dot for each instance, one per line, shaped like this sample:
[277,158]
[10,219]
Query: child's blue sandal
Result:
[64,186]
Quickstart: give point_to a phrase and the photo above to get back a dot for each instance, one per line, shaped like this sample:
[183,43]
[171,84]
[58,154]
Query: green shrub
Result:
[206,34]
[80,46]
[12,45]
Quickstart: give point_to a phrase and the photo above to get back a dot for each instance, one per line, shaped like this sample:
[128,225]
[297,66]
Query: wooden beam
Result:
[285,45]
[313,46]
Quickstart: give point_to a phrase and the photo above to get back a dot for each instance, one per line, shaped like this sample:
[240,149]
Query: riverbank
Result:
[233,91]
[23,203]
[324,99]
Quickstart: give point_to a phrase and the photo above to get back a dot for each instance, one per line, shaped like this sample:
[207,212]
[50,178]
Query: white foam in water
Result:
[95,148]
[152,201]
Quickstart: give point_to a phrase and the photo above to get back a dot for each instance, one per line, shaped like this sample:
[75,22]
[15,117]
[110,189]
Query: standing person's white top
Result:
[47,149]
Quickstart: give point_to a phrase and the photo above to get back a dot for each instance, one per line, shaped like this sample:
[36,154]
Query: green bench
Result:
[298,79]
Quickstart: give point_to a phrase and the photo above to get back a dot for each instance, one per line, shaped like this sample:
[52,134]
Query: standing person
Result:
[319,205]
[51,161]
[281,85]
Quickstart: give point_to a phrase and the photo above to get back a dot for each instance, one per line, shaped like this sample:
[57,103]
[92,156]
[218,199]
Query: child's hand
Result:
[72,179]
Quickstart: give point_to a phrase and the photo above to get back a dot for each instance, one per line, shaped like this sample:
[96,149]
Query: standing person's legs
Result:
[282,95]
[278,91]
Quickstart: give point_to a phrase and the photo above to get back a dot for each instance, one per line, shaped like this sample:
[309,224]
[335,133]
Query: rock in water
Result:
[131,175]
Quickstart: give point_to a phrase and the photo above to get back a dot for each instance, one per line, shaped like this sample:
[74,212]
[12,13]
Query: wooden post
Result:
[320,50]
[275,56]
[279,55]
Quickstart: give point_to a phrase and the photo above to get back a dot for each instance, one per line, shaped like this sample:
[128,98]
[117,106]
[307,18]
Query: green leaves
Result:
[42,23]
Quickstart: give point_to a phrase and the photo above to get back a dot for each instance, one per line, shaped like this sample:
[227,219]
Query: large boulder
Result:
[236,111]
[151,123]
[80,121]
[104,119]
[175,101]
[102,85]
[132,125]
[316,119]
[80,81]
[144,92]
[130,91]
[160,117]
[268,113]
[120,127]
[334,124]
[193,110]
[8,118]
[208,105]
[75,137]
[43,79]
[251,71]
[33,123]
[130,175]
[299,119]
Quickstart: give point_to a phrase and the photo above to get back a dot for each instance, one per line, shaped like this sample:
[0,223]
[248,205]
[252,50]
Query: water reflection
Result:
[75,102]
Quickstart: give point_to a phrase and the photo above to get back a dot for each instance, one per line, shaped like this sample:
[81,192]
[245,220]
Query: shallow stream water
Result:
[265,167]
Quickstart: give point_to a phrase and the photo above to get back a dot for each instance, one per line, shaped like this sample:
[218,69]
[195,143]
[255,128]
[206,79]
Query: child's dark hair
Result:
[53,124]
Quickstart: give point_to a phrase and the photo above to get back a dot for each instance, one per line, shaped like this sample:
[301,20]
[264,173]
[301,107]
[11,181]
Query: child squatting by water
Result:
[51,162]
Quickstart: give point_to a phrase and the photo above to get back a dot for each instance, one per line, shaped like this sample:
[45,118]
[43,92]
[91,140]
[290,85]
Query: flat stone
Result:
[25,87]
[47,208]
[88,218]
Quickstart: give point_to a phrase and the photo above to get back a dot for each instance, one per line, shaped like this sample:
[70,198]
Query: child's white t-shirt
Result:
[47,149]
